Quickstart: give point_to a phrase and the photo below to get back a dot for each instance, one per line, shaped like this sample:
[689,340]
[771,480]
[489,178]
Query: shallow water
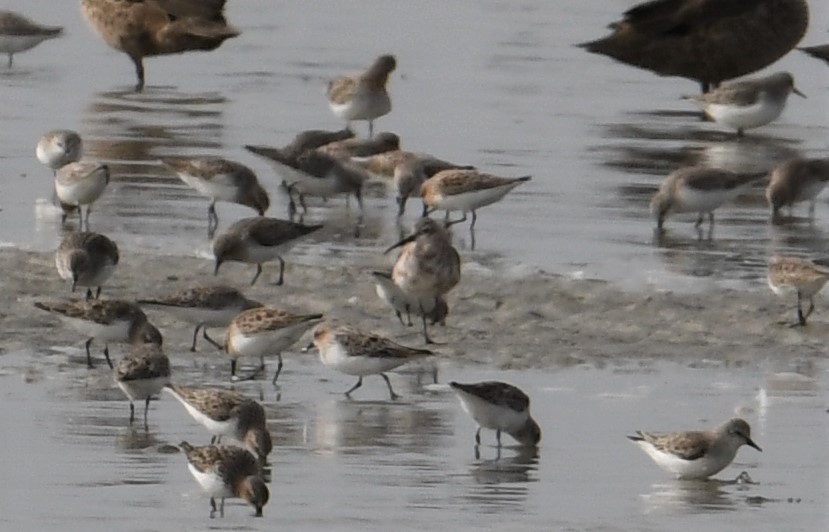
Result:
[371,464]
[495,84]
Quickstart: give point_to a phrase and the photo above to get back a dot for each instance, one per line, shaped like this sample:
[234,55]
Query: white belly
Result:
[323,187]
[82,192]
[138,390]
[746,117]
[363,106]
[688,469]
[335,357]
[470,201]
[691,200]
[118,331]
[491,416]
[210,483]
[218,428]
[10,44]
[211,189]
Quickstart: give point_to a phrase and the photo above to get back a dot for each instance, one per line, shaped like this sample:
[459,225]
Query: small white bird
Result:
[142,374]
[696,454]
[500,407]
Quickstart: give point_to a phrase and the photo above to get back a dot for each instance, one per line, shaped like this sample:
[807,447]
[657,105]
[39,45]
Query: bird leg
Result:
[146,408]
[370,126]
[281,271]
[98,293]
[106,354]
[212,507]
[359,383]
[195,335]
[388,383]
[278,369]
[88,356]
[801,319]
[478,437]
[258,273]
[216,344]
[498,437]
[132,412]
[139,73]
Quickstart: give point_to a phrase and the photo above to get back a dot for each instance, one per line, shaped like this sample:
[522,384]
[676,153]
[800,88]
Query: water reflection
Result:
[359,427]
[501,483]
[693,496]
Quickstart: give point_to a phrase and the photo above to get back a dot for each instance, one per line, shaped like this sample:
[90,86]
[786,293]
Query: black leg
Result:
[302,203]
[258,273]
[281,271]
[213,440]
[801,319]
[498,437]
[478,436]
[98,293]
[222,508]
[401,205]
[388,383]
[370,127]
[699,221]
[400,317]
[146,408]
[195,335]
[139,73]
[132,412]
[212,507]
[106,354]
[472,231]
[811,308]
[278,369]
[216,344]
[359,383]
[232,368]
[88,356]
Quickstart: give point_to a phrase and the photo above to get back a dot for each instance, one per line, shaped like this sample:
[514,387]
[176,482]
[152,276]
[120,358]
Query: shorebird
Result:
[86,259]
[144,28]
[105,320]
[363,96]
[265,330]
[142,374]
[749,103]
[500,407]
[411,172]
[435,309]
[805,277]
[224,472]
[59,147]
[227,414]
[313,173]
[698,189]
[359,353]
[795,181]
[258,240]
[353,147]
[821,52]
[427,267]
[81,183]
[18,34]
[708,41]
[696,454]
[204,306]
[465,190]
[311,139]
[220,180]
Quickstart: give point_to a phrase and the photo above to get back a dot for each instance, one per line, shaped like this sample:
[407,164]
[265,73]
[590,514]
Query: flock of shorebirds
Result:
[704,40]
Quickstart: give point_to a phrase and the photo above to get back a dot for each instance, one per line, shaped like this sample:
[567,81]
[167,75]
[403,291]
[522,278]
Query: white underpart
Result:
[491,416]
[364,105]
[400,301]
[473,200]
[257,254]
[323,187]
[807,290]
[85,191]
[269,342]
[218,428]
[211,483]
[333,355]
[703,201]
[810,191]
[20,43]
[141,389]
[117,331]
[758,114]
[221,187]
[709,464]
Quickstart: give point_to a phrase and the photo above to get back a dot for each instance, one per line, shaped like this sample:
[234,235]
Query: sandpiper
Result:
[79,184]
[313,173]
[709,41]
[428,266]
[227,414]
[465,190]
[220,180]
[435,309]
[805,277]
[142,28]
[86,259]
[500,407]
[411,172]
[696,454]
[224,472]
[260,331]
[142,374]
[311,139]
[363,96]
[354,147]
[18,34]
[258,240]
[59,147]
[359,353]
[698,189]
[204,306]
[797,180]
[821,52]
[749,103]
[105,320]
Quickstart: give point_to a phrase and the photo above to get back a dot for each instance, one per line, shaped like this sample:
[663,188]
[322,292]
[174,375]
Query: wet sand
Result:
[507,317]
